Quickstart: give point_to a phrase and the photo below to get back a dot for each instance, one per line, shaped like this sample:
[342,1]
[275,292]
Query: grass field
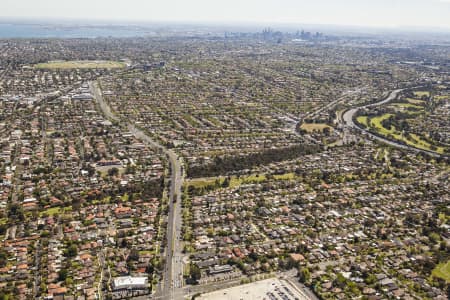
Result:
[362,120]
[420,143]
[81,64]
[407,105]
[51,211]
[310,127]
[376,122]
[422,93]
[442,270]
[415,101]
[287,176]
[442,97]
[414,139]
[236,181]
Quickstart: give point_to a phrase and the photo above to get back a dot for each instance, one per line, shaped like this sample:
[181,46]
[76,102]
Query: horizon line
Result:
[348,28]
[231,23]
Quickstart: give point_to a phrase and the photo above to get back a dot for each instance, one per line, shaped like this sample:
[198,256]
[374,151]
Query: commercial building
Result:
[130,283]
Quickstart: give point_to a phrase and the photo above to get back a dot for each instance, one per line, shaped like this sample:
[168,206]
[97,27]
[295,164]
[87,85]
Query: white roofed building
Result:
[130,283]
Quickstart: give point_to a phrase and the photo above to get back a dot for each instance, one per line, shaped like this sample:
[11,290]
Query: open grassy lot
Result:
[362,120]
[287,176]
[51,211]
[442,270]
[422,93]
[407,106]
[81,64]
[442,97]
[310,127]
[415,101]
[55,210]
[236,181]
[203,182]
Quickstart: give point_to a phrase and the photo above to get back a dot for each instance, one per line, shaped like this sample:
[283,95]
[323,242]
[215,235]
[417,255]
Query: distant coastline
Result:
[27,30]
[11,28]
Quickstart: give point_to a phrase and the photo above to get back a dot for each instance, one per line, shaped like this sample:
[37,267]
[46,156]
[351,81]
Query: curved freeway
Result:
[173,270]
[348,120]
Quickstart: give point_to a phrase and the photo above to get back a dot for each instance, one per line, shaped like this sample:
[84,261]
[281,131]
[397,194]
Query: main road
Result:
[348,120]
[173,267]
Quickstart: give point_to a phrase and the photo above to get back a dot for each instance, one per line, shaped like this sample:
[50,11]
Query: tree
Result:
[304,275]
[62,274]
[3,258]
[130,169]
[371,279]
[16,212]
[340,281]
[434,238]
[149,269]
[134,255]
[71,251]
[195,273]
[113,172]
[68,281]
[226,182]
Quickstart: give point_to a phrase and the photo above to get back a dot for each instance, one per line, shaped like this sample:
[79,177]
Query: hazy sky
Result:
[386,13]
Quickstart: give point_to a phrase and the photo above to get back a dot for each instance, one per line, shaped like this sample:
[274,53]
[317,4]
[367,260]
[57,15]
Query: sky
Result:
[372,13]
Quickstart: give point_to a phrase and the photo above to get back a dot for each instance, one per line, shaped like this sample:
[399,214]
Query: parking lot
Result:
[269,289]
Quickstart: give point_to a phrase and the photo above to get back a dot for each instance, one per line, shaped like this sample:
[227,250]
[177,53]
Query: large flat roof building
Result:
[129,282]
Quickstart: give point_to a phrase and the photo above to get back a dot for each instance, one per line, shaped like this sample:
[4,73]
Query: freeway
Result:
[344,96]
[348,120]
[173,271]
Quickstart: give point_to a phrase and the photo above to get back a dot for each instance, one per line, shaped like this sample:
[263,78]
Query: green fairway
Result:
[362,120]
[415,101]
[376,122]
[442,97]
[421,93]
[420,143]
[442,270]
[407,105]
[413,140]
[81,64]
